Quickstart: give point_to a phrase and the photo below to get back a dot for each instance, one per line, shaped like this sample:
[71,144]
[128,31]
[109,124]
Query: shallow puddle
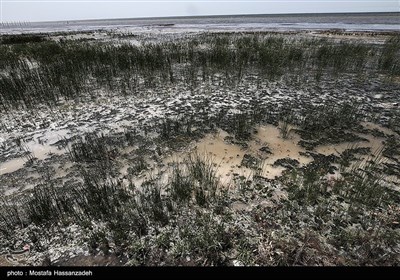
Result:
[372,126]
[269,136]
[228,157]
[37,150]
[375,143]
[40,148]
[12,165]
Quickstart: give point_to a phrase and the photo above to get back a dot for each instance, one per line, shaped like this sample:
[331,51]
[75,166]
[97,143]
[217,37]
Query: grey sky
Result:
[49,10]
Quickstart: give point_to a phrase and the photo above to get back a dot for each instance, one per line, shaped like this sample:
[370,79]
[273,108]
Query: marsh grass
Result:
[43,72]
[201,168]
[301,219]
[181,185]
[391,147]
[240,125]
[22,39]
[47,205]
[285,128]
[364,183]
[343,57]
[203,236]
[11,215]
[153,204]
[329,123]
[195,180]
[389,61]
[347,208]
[189,218]
[305,188]
[91,148]
[350,154]
[125,210]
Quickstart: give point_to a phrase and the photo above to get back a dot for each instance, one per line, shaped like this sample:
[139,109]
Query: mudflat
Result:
[227,141]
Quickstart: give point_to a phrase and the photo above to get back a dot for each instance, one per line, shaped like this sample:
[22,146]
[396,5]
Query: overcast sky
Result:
[49,10]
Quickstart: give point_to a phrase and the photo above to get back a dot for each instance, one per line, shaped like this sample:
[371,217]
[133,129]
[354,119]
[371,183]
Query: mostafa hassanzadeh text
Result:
[56,272]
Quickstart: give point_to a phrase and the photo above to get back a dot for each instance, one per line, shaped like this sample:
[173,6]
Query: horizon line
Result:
[203,16]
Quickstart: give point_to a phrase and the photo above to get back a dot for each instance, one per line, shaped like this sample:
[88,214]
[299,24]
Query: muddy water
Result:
[226,156]
[38,151]
[373,126]
[11,165]
[40,148]
[281,148]
[375,143]
[15,188]
[42,151]
[229,156]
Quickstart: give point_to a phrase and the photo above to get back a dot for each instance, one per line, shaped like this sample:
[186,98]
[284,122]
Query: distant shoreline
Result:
[389,21]
[291,15]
